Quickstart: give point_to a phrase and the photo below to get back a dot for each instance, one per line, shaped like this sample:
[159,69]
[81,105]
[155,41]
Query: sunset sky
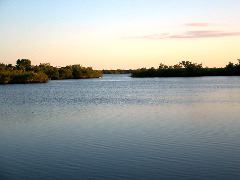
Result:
[120,33]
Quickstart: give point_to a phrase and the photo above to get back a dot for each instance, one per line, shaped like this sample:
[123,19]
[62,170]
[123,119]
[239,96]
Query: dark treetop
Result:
[188,69]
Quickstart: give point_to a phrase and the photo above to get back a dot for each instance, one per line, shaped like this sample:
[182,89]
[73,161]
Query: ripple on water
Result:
[118,127]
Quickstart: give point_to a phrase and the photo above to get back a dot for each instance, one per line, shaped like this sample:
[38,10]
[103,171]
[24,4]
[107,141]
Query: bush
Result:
[22,77]
[24,72]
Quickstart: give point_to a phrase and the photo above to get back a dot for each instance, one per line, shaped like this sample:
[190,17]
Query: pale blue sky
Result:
[119,33]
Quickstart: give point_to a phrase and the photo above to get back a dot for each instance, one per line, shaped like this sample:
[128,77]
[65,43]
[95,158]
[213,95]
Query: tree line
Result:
[188,69]
[117,71]
[25,72]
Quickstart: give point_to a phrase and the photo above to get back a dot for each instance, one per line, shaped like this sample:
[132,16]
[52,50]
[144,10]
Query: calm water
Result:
[121,128]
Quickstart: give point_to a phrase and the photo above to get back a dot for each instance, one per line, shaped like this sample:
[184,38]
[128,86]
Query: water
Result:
[118,127]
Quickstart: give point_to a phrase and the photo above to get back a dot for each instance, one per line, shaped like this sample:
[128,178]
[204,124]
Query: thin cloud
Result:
[197,24]
[192,35]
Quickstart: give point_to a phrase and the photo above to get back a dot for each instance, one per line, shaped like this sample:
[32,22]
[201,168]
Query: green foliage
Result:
[187,69]
[51,71]
[24,72]
[22,77]
[233,69]
[2,66]
[23,64]
[65,73]
[118,71]
[79,72]
[68,72]
[4,77]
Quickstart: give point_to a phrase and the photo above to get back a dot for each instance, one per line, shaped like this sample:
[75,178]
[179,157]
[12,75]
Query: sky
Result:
[111,34]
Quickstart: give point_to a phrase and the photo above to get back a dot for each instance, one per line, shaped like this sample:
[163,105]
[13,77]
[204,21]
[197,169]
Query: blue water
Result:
[119,127]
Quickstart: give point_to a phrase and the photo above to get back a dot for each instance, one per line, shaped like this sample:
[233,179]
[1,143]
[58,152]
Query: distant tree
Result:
[230,66]
[24,72]
[77,71]
[2,66]
[23,64]
[192,69]
[51,71]
[65,72]
[238,62]
[10,67]
[162,66]
[233,69]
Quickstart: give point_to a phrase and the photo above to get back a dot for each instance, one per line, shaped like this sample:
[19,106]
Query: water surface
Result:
[119,127]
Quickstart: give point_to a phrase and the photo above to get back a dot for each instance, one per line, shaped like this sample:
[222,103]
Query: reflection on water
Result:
[121,128]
